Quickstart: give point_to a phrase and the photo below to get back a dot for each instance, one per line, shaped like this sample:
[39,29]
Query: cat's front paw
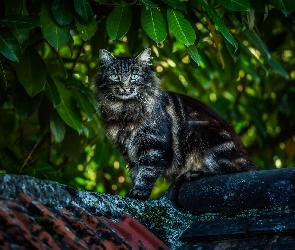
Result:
[192,175]
[138,194]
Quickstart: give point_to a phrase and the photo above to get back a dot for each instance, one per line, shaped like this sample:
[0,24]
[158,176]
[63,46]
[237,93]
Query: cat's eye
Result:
[134,77]
[114,77]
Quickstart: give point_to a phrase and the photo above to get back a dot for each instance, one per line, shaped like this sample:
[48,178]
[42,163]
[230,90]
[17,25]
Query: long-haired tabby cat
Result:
[162,133]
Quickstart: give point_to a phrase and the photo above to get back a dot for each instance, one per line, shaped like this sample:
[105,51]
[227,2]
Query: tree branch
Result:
[30,154]
[77,57]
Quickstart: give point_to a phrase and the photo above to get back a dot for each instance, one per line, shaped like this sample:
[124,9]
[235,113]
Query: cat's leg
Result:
[149,168]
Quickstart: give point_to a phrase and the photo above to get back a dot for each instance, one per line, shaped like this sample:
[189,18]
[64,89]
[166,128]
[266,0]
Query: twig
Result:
[77,57]
[215,39]
[30,155]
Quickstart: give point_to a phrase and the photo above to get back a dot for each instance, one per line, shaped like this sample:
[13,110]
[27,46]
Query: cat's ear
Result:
[145,57]
[105,57]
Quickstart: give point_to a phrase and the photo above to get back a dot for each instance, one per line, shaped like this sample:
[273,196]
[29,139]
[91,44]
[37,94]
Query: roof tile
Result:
[28,224]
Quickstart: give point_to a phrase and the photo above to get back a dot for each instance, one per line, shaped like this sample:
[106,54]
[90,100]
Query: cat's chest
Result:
[124,137]
[119,132]
[112,131]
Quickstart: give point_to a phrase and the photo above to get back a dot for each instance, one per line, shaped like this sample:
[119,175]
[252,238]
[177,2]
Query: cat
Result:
[162,133]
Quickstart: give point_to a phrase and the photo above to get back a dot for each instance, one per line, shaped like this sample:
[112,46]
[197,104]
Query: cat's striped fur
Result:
[162,133]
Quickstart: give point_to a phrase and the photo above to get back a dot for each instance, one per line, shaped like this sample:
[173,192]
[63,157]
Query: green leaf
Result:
[83,103]
[154,24]
[149,4]
[31,72]
[89,94]
[245,51]
[20,22]
[57,127]
[235,5]
[84,10]
[25,106]
[51,91]
[119,21]
[63,11]
[234,53]
[176,4]
[86,31]
[9,46]
[68,109]
[55,35]
[219,23]
[16,8]
[180,27]
[257,43]
[85,131]
[21,34]
[286,6]
[193,52]
[278,68]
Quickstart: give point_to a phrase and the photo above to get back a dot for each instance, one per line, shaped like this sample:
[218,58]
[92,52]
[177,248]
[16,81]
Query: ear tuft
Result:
[105,57]
[145,56]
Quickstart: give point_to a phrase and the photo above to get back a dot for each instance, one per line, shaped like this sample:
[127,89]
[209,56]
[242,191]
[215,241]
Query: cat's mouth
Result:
[125,94]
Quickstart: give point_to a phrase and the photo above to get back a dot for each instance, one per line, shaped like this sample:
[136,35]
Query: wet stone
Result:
[280,224]
[235,192]
[273,243]
[216,230]
[251,226]
[49,192]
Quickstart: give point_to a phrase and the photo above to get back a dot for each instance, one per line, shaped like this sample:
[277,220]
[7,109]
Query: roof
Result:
[253,210]
[28,224]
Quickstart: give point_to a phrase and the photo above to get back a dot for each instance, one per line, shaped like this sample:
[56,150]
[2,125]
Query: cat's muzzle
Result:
[125,93]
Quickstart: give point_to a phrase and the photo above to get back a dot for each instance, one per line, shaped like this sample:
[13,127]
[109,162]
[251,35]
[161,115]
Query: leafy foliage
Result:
[119,21]
[222,52]
[154,24]
[9,45]
[31,69]
[180,27]
[57,36]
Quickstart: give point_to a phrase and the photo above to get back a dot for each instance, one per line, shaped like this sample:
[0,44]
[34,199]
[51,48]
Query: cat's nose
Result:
[125,87]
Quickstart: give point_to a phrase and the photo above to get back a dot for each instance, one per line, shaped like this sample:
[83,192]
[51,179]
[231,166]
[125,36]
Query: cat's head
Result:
[126,78]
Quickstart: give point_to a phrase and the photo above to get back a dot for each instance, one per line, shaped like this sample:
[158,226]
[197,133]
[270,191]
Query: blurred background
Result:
[237,58]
